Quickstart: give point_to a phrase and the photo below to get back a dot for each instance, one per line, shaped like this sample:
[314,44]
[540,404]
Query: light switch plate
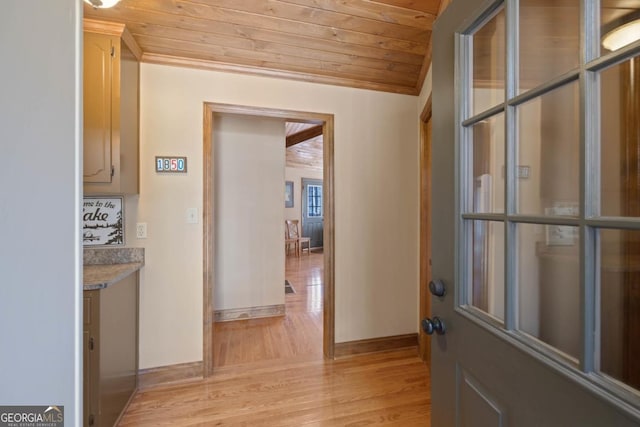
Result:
[192,215]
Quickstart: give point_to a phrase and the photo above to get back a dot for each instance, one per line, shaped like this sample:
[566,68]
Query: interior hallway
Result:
[270,372]
[297,335]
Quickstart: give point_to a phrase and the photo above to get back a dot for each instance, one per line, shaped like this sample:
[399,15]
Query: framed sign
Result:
[102,221]
[288,194]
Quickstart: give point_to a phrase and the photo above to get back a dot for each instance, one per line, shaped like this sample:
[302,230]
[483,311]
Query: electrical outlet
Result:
[141,230]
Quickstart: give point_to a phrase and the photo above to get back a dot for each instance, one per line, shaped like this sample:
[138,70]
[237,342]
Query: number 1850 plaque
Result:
[173,164]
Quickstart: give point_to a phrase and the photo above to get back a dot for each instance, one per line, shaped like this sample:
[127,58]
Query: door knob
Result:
[437,288]
[429,326]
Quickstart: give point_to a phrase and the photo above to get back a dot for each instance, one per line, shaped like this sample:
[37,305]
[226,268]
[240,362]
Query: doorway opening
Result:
[326,260]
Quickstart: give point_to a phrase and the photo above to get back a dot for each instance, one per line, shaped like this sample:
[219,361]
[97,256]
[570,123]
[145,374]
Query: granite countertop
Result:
[100,276]
[106,266]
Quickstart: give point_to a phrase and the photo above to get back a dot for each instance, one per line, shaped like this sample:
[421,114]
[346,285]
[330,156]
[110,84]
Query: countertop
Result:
[100,276]
[106,266]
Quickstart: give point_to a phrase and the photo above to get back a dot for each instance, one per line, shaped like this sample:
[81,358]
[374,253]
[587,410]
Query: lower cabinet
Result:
[110,351]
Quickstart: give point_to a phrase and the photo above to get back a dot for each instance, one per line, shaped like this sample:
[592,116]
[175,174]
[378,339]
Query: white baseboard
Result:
[249,313]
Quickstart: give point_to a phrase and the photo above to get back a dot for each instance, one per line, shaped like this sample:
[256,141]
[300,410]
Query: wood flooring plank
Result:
[271,372]
[364,390]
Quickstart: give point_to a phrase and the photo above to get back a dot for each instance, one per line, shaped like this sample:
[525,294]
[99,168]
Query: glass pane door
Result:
[549,133]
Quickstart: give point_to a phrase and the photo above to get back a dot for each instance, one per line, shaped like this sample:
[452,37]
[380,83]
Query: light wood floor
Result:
[270,372]
[297,335]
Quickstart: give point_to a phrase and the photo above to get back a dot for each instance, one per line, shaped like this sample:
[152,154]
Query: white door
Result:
[536,215]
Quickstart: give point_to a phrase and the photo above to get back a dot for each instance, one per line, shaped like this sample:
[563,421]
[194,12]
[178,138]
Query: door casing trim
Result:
[425,227]
[208,283]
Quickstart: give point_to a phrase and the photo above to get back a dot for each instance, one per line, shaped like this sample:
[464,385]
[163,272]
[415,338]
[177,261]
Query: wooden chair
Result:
[292,232]
[288,243]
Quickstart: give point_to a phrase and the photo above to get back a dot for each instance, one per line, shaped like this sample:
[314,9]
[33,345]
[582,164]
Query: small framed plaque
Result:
[171,164]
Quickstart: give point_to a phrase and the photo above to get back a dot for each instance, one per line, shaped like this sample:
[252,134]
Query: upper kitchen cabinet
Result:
[111,105]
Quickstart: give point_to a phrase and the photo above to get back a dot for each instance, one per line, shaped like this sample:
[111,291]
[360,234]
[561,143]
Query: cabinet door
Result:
[98,71]
[87,384]
[91,366]
[118,347]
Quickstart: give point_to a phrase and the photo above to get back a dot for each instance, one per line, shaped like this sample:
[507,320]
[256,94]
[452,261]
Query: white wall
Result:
[295,175]
[249,226]
[40,259]
[376,186]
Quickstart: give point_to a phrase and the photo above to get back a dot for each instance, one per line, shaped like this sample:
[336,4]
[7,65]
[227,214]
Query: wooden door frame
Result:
[424,340]
[208,282]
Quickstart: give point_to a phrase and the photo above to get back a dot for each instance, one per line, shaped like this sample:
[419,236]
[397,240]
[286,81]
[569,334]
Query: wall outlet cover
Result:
[141,230]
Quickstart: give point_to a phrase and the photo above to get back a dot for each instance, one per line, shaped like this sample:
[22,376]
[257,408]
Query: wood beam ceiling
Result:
[303,135]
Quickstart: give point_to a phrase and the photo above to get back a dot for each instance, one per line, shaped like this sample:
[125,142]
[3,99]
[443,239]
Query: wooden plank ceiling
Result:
[304,145]
[372,44]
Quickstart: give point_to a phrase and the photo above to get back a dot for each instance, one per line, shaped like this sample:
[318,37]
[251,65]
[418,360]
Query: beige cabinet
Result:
[111,87]
[110,351]
[97,108]
[90,372]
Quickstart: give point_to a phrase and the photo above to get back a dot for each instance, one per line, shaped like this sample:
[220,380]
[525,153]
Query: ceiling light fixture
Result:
[622,36]
[102,4]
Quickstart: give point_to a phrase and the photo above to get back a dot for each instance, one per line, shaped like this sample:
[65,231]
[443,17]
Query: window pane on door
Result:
[549,40]
[487,160]
[548,153]
[615,15]
[487,267]
[549,285]
[314,201]
[620,305]
[489,64]
[620,140]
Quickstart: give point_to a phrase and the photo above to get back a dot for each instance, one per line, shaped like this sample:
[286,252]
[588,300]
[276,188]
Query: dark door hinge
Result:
[91,419]
[113,171]
[91,345]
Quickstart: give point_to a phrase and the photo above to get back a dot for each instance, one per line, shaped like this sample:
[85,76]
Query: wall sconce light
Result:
[102,4]
[622,36]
